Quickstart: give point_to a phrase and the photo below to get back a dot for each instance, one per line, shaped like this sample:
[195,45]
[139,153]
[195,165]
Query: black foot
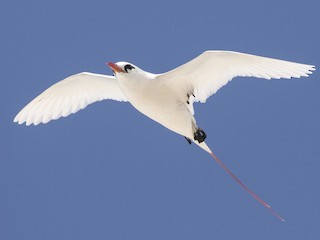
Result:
[200,135]
[188,140]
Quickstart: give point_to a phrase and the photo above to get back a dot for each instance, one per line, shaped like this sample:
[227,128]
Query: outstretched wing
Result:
[207,73]
[69,96]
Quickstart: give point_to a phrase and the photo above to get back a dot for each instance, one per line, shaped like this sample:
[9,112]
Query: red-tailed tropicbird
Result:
[166,98]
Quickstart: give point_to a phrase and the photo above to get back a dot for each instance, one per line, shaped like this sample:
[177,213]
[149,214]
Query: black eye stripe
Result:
[128,67]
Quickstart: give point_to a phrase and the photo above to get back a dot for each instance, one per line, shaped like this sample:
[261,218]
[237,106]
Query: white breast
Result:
[158,102]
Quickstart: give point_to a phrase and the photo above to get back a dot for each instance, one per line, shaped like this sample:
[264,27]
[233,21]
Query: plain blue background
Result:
[108,172]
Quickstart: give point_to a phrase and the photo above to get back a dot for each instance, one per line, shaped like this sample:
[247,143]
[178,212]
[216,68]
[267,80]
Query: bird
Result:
[166,98]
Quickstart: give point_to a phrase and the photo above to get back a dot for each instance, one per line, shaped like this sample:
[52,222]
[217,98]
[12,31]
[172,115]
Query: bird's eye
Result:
[128,67]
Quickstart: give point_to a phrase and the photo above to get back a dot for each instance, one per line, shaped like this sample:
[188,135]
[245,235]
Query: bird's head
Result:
[122,68]
[125,70]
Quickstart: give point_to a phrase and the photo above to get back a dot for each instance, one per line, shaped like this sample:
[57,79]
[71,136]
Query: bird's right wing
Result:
[69,96]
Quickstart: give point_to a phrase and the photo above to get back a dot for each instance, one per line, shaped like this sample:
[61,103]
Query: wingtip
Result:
[18,121]
[312,68]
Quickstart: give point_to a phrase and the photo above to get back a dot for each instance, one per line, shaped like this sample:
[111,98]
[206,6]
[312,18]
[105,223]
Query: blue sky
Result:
[108,172]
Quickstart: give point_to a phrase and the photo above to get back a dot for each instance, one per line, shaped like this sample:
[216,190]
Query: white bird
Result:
[166,98]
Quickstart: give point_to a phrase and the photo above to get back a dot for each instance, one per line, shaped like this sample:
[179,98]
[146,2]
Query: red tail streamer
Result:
[245,187]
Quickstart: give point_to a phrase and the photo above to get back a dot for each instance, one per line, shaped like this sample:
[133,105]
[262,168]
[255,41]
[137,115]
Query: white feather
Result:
[69,96]
[210,71]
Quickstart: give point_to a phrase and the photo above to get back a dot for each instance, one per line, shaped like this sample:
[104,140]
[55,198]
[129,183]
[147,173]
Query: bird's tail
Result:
[204,146]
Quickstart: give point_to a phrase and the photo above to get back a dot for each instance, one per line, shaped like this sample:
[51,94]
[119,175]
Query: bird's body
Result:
[166,98]
[158,101]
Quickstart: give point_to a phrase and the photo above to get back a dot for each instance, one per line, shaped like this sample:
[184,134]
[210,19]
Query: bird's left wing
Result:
[69,96]
[207,73]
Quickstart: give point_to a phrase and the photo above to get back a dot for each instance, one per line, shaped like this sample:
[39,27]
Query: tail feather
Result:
[204,146]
